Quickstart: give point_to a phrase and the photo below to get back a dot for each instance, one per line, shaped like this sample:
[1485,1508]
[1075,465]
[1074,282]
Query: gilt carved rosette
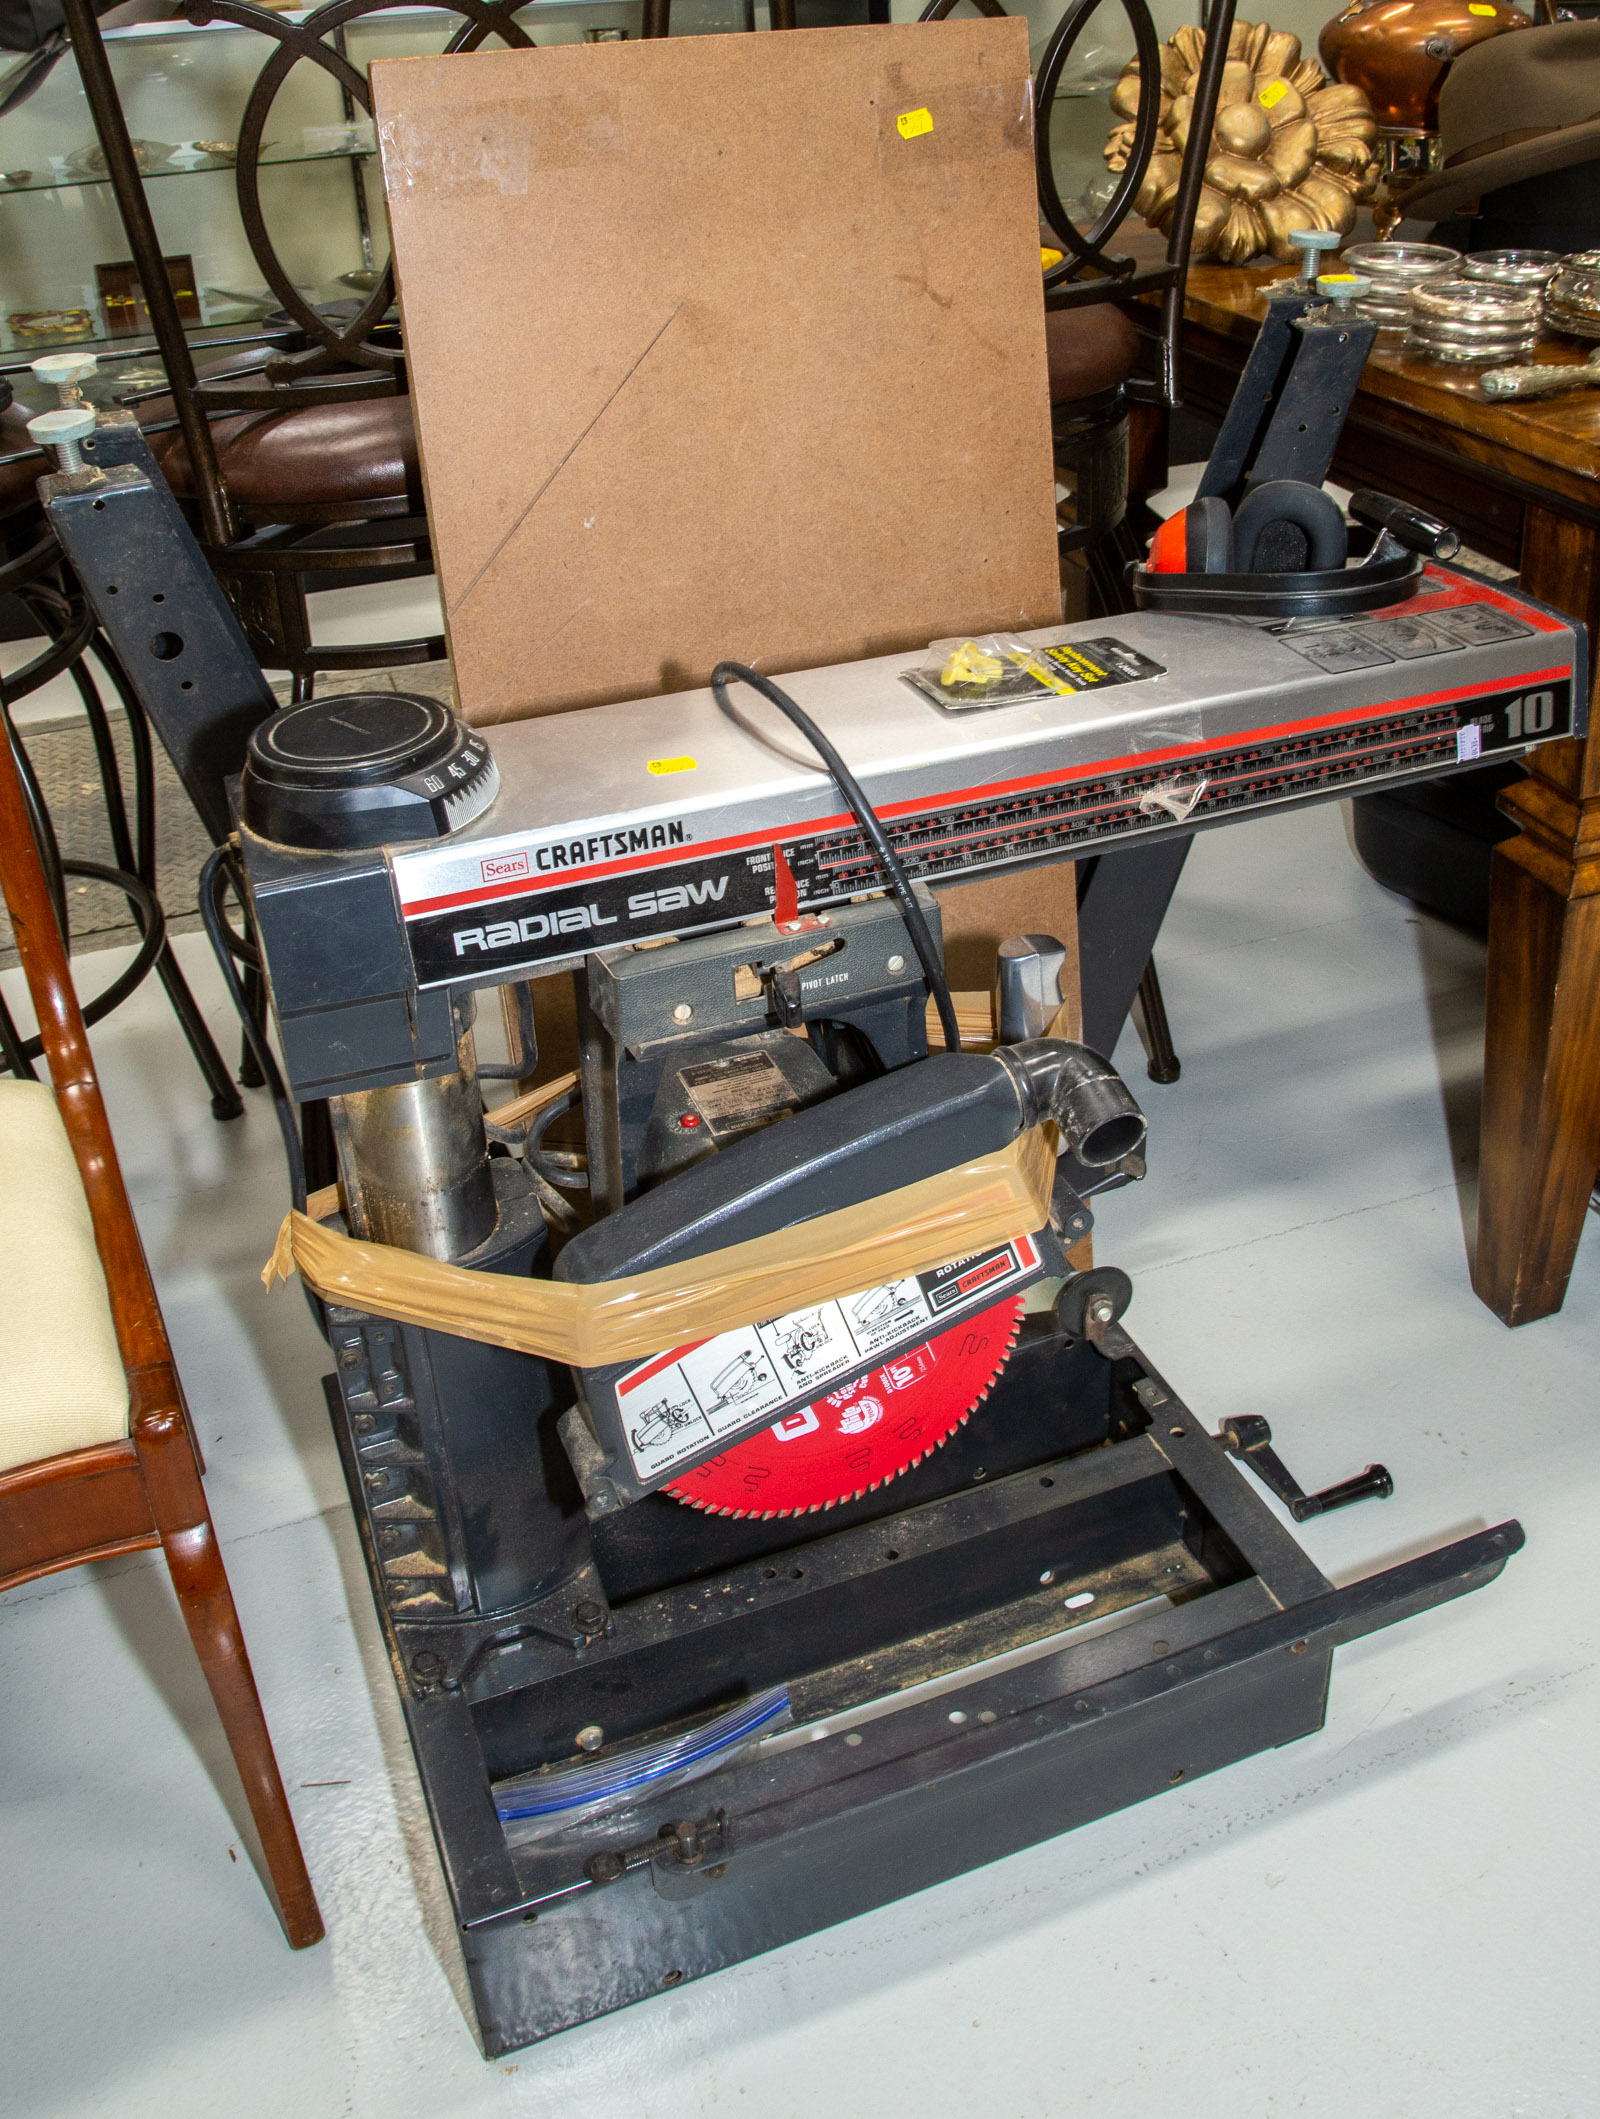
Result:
[1289,148]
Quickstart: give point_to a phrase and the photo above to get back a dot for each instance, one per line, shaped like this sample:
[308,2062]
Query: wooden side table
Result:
[1521,482]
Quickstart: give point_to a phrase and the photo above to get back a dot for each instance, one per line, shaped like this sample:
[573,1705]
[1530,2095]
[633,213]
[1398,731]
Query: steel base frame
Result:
[1012,1730]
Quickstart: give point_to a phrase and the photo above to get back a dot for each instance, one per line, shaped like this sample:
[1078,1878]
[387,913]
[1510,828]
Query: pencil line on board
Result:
[562,465]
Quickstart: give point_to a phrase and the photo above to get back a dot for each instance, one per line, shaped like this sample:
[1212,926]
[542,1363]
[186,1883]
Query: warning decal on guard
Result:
[1346,646]
[683,1404]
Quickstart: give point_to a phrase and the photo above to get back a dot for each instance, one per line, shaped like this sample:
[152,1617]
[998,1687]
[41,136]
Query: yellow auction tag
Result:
[658,766]
[1047,258]
[1476,7]
[912,123]
[1273,94]
[1334,279]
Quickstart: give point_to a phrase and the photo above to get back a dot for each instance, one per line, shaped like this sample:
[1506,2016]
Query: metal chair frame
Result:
[1066,286]
[36,577]
[342,360]
[1089,272]
[1091,434]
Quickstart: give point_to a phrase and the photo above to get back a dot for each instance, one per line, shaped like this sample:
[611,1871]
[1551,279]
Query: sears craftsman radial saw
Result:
[706,1647]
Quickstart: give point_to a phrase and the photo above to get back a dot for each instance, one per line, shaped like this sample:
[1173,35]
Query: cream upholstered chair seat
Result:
[62,1385]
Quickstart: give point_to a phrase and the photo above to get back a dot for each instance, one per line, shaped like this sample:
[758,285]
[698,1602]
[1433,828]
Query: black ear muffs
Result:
[1197,540]
[1284,527]
[1281,554]
[1209,524]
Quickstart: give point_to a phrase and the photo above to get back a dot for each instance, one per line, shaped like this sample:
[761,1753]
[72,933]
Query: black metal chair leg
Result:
[1108,560]
[255,999]
[226,1102]
[1155,1032]
[16,1060]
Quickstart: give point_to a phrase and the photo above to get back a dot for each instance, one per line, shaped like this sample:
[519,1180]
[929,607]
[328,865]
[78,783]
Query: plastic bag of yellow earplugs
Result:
[1004,669]
[985,669]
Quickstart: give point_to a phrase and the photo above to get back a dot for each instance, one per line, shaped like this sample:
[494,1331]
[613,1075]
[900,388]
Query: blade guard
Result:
[643,1425]
[851,1440]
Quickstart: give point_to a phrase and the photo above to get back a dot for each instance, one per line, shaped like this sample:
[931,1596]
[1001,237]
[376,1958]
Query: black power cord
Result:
[867,817]
[220,875]
[569,1178]
[216,878]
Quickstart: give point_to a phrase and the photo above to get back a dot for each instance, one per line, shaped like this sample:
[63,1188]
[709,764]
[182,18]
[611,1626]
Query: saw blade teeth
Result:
[818,1508]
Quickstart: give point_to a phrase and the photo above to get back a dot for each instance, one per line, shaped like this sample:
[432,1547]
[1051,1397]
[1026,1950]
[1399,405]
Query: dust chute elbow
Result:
[1091,1104]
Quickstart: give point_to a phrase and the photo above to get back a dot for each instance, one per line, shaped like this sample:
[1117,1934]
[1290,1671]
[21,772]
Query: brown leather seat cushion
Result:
[1090,350]
[324,456]
[18,481]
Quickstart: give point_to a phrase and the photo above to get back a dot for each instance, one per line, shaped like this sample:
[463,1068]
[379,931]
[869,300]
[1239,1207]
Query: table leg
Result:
[1541,1089]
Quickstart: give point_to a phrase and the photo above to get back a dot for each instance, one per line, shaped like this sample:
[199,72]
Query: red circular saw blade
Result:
[846,1443]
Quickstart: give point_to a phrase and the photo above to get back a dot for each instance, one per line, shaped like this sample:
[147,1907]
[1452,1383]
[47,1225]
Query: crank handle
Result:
[1374,1484]
[1408,526]
[1249,1438]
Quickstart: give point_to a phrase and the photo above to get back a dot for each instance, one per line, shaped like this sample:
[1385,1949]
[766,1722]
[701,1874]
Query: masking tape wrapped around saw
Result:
[910,1230]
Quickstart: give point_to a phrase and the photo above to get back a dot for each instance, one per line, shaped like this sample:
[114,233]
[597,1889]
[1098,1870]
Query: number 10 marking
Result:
[1531,715]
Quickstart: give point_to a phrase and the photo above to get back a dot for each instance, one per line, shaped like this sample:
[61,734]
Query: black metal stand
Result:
[1122,900]
[951,1715]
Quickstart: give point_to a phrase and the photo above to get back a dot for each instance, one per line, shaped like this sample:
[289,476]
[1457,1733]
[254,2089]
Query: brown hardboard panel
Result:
[722,346]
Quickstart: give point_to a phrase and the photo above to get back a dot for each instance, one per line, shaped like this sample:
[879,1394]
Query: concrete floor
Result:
[1392,1918]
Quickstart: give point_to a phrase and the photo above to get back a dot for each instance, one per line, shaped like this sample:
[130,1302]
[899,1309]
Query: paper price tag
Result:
[658,766]
[1477,7]
[911,124]
[1273,94]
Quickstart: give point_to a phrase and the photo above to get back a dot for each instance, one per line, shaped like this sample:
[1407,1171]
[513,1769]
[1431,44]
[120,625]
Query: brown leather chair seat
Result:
[305,464]
[1089,350]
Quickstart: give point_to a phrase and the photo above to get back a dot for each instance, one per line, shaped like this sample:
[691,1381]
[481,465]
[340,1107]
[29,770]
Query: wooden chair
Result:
[97,1456]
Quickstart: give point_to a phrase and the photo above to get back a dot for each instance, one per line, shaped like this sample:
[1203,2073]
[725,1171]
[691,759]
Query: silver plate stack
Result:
[1394,269]
[1572,300]
[1474,320]
[1512,268]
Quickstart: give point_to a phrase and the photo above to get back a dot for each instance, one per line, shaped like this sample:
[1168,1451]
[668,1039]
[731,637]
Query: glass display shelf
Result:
[176,164]
[220,332]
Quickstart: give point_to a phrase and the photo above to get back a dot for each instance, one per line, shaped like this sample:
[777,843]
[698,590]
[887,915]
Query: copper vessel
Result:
[1398,51]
